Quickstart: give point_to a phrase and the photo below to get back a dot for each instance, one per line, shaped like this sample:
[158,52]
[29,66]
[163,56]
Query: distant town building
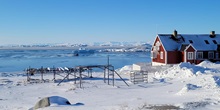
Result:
[194,48]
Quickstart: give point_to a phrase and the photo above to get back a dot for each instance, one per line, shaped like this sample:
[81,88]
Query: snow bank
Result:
[196,76]
[187,70]
[125,70]
[187,88]
[209,82]
[182,70]
[208,64]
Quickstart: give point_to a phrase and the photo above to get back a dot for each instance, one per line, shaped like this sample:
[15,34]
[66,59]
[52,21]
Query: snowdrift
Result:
[201,76]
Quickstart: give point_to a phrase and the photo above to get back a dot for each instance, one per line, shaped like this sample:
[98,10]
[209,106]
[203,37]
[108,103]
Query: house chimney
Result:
[175,33]
[212,34]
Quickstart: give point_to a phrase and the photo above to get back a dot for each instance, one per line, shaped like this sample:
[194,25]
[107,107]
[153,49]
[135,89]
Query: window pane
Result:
[211,55]
[190,55]
[199,55]
[161,55]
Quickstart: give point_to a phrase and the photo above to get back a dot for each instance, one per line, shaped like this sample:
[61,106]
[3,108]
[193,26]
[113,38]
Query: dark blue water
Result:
[18,60]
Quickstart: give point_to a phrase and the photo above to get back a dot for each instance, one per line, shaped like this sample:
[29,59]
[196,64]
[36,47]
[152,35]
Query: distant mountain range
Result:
[96,44]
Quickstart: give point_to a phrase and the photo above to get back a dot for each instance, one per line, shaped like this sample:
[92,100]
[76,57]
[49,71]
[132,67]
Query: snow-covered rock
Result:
[50,101]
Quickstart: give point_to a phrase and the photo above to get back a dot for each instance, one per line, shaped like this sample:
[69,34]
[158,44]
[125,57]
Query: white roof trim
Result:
[162,44]
[189,46]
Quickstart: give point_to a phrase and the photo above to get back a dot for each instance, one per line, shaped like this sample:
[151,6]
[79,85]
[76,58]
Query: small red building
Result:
[194,48]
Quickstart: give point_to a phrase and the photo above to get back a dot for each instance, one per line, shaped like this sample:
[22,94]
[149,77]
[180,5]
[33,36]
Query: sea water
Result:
[19,60]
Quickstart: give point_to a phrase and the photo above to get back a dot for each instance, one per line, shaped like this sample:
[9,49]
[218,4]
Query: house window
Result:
[206,41]
[190,41]
[161,55]
[199,55]
[211,55]
[190,55]
[214,41]
[154,48]
[158,46]
[153,55]
[216,55]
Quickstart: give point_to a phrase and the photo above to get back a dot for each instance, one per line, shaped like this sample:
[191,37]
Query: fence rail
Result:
[138,76]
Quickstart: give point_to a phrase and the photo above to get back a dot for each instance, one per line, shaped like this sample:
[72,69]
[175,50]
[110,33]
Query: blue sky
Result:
[85,21]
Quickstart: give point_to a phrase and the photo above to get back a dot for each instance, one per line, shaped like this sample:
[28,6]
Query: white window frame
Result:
[153,55]
[161,55]
[155,48]
[158,48]
[158,44]
[199,55]
[190,55]
[212,54]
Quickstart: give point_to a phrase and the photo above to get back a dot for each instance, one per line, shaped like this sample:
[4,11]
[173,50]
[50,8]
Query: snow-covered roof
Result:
[201,42]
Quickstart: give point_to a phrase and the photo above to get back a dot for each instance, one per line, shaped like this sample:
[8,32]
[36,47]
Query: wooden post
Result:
[74,77]
[108,69]
[68,72]
[108,74]
[88,71]
[80,76]
[91,74]
[28,73]
[41,70]
[104,74]
[54,73]
[113,77]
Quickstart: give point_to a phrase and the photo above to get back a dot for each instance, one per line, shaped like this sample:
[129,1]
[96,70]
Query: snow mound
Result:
[210,82]
[197,76]
[182,70]
[125,70]
[187,88]
[206,63]
[210,65]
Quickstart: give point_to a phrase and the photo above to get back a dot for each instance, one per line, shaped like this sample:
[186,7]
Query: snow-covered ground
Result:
[181,86]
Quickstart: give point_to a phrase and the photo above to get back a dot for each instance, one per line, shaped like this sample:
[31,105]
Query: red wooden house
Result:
[194,48]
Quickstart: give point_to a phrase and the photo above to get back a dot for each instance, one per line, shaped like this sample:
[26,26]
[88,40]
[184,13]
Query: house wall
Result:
[183,56]
[205,54]
[198,61]
[174,57]
[158,59]
[190,49]
[205,57]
